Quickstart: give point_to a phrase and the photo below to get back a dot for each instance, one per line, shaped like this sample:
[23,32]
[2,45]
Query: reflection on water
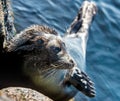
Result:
[103,50]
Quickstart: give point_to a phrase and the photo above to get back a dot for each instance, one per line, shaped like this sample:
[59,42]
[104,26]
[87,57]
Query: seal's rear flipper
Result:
[82,21]
[82,82]
[7,29]
[2,32]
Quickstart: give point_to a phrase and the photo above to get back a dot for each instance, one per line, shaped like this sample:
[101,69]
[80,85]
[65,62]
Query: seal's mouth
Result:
[62,64]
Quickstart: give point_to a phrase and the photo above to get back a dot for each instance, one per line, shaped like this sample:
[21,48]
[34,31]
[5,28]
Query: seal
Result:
[41,60]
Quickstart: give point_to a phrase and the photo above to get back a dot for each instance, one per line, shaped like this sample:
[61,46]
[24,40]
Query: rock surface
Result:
[21,94]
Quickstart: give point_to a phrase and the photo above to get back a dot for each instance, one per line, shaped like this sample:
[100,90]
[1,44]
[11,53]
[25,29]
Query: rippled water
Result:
[103,49]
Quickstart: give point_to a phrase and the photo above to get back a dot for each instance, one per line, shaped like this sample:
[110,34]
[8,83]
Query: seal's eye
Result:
[40,41]
[55,49]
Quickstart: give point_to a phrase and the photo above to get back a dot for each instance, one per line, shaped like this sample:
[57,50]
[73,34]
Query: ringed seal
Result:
[44,62]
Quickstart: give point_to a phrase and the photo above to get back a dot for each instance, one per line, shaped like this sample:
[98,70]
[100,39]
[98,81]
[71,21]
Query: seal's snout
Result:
[68,61]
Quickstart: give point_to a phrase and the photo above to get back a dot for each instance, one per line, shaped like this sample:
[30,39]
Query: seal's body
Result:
[44,60]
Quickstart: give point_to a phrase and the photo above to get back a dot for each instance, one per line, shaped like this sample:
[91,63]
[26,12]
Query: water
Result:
[103,49]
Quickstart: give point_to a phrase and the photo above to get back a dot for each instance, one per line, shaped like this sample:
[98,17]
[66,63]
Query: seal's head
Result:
[46,51]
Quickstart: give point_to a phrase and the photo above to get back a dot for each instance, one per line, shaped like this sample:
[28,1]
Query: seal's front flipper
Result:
[82,82]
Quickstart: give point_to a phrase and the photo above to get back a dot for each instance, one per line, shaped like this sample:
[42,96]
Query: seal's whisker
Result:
[52,73]
[48,74]
[46,69]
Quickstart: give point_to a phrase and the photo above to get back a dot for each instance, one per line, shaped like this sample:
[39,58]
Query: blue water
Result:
[103,48]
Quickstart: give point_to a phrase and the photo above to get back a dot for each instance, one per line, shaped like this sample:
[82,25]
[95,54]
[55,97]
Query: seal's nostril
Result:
[71,61]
